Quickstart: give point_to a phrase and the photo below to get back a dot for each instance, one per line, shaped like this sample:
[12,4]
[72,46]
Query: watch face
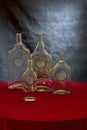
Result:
[18,62]
[61,75]
[40,62]
[29,79]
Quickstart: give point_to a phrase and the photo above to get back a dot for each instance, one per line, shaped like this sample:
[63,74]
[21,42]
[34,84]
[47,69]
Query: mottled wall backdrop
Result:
[63,22]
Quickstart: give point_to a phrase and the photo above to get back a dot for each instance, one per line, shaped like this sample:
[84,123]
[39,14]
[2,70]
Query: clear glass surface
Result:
[61,76]
[29,79]
[17,62]
[42,63]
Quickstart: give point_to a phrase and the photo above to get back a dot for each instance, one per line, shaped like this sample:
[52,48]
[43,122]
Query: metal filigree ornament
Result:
[40,62]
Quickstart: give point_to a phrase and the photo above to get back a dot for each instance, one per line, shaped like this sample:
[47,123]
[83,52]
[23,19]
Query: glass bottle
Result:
[42,64]
[17,62]
[61,76]
[29,78]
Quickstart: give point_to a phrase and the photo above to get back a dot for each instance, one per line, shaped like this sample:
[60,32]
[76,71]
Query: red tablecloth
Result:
[48,112]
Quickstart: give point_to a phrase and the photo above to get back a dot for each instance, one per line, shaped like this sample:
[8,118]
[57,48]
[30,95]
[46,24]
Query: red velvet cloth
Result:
[48,112]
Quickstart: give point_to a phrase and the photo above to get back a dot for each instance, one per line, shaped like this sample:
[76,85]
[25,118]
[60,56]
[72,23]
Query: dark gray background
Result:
[63,22]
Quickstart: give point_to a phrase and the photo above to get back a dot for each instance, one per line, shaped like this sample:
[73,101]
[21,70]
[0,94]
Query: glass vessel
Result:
[17,62]
[42,65]
[29,79]
[61,76]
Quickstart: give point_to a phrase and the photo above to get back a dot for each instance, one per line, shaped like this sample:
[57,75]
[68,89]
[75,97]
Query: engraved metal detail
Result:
[29,79]
[40,62]
[61,75]
[18,62]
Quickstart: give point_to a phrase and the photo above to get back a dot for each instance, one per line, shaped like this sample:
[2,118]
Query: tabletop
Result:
[47,107]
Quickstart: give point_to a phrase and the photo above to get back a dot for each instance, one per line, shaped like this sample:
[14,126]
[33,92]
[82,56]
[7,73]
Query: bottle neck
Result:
[30,64]
[19,38]
[40,44]
[62,59]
